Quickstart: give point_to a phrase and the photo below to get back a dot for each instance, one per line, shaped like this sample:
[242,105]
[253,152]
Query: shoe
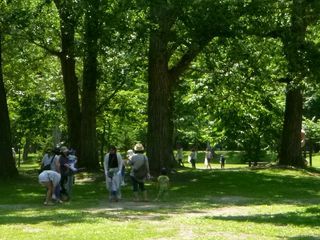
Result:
[48,203]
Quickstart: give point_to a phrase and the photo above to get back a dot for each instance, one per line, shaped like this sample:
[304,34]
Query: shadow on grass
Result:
[191,191]
[303,237]
[309,217]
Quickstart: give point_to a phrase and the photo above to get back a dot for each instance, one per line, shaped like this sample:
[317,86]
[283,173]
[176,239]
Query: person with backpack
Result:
[139,172]
[112,167]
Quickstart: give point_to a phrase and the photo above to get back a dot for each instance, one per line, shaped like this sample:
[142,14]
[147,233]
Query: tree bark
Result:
[7,165]
[290,150]
[67,60]
[160,89]
[89,155]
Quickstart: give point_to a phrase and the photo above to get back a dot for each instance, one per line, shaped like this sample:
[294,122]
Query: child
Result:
[163,182]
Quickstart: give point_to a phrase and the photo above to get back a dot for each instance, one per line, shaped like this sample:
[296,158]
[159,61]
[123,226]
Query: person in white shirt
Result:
[49,179]
[112,167]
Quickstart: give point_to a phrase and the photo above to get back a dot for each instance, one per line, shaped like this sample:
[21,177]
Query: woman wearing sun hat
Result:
[139,171]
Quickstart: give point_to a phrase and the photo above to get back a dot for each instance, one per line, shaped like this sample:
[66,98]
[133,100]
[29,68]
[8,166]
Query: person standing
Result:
[193,158]
[179,156]
[112,167]
[139,172]
[207,159]
[222,161]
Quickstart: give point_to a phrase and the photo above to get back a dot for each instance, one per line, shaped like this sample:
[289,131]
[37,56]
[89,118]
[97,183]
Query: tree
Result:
[68,20]
[179,31]
[303,13]
[89,155]
[7,164]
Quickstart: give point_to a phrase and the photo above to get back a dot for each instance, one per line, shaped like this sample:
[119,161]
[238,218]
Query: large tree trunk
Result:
[89,156]
[290,152]
[7,164]
[67,59]
[159,138]
[162,82]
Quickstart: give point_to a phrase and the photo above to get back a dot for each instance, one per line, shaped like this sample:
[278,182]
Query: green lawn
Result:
[234,203]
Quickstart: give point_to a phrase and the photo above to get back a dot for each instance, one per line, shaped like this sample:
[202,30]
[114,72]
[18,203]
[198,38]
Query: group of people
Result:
[192,158]
[57,170]
[114,169]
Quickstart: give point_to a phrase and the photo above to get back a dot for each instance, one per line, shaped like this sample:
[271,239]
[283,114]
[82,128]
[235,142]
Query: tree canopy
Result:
[241,74]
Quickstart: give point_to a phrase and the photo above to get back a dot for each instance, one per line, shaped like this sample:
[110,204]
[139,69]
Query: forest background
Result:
[237,74]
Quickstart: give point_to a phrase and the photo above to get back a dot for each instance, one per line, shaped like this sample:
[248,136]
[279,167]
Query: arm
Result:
[120,162]
[105,164]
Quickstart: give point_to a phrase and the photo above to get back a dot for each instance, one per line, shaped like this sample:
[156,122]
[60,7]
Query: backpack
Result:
[141,172]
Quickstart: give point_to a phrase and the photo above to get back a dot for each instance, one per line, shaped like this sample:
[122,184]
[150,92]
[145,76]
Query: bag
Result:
[141,173]
[48,166]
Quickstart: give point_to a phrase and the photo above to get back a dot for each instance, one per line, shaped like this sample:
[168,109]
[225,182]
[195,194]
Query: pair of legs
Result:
[193,163]
[180,163]
[162,194]
[114,187]
[138,186]
[49,186]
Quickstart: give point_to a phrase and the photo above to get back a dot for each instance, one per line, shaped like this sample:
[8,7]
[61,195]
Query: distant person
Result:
[303,138]
[112,167]
[139,172]
[208,158]
[14,155]
[222,161]
[193,158]
[179,156]
[163,184]
[130,153]
[49,179]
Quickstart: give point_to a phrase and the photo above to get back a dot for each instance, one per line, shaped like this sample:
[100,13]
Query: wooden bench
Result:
[257,164]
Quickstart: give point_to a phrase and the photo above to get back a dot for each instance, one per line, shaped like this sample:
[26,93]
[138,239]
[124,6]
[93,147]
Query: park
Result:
[236,78]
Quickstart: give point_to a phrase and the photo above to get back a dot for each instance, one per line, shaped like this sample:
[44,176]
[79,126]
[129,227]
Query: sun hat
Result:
[138,147]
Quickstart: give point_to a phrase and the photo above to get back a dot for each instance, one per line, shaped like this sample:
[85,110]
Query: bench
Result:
[257,164]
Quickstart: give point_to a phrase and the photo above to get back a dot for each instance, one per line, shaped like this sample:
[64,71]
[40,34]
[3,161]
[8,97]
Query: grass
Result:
[234,203]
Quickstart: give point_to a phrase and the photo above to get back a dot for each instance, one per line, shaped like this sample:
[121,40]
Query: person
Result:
[65,173]
[49,179]
[112,167]
[163,184]
[71,164]
[193,157]
[303,137]
[179,156]
[139,172]
[207,159]
[222,161]
[50,158]
[130,153]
